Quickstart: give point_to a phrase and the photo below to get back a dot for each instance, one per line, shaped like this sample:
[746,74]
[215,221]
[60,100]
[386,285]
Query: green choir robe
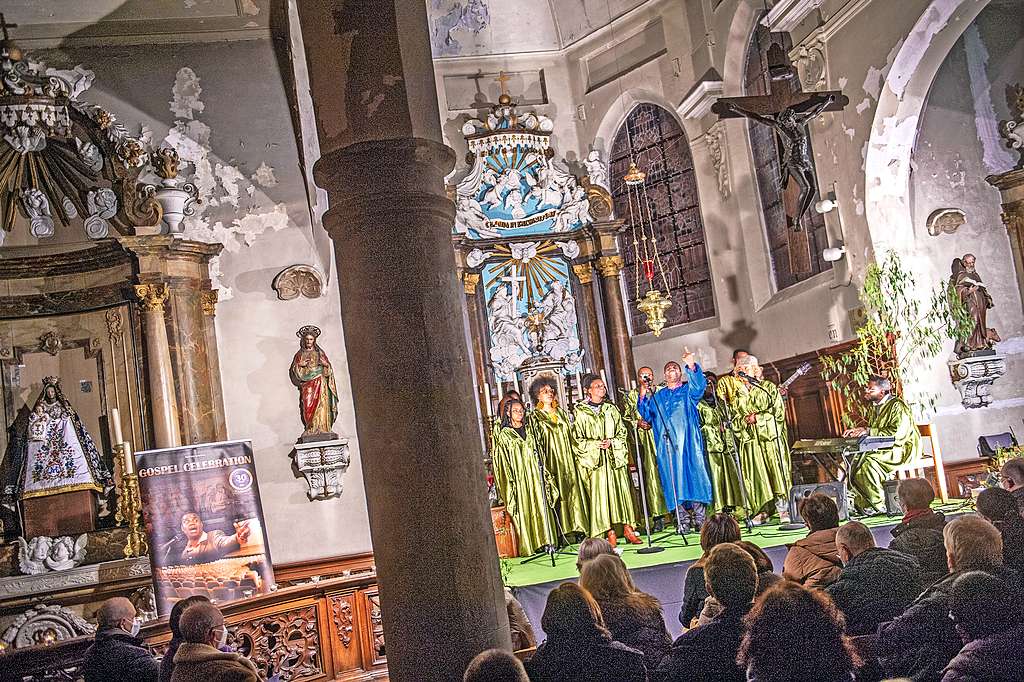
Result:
[756,442]
[642,441]
[725,480]
[517,477]
[605,472]
[554,438]
[893,417]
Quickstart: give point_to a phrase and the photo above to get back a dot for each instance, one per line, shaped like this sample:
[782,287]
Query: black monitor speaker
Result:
[834,489]
[892,499]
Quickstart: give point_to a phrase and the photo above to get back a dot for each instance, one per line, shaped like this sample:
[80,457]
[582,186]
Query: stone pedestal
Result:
[974,377]
[323,465]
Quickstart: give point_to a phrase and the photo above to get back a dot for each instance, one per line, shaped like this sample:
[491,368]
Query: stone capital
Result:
[209,299]
[584,272]
[469,282]
[152,296]
[610,266]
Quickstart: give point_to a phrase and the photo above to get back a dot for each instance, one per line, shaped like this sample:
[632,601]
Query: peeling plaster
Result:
[250,7]
[934,20]
[186,92]
[264,175]
[997,158]
[863,106]
[1009,404]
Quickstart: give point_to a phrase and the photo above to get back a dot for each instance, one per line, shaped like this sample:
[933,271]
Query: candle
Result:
[129,459]
[603,378]
[579,384]
[632,384]
[487,399]
[115,427]
[501,390]
[522,390]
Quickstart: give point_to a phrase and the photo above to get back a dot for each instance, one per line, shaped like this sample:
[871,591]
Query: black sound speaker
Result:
[834,489]
[892,499]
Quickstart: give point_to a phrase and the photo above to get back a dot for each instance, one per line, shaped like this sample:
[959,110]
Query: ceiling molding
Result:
[786,15]
[701,97]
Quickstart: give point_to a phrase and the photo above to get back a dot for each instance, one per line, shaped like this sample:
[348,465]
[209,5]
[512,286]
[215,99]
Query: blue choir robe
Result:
[685,450]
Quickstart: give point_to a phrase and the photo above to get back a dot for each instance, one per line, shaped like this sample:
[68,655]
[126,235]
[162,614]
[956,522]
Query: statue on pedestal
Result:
[967,284]
[312,373]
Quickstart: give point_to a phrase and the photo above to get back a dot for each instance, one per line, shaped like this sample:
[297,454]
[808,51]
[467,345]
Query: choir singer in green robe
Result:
[550,424]
[600,437]
[889,415]
[725,480]
[517,477]
[641,440]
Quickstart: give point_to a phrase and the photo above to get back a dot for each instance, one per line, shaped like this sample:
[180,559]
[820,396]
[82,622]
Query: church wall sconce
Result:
[827,204]
[833,253]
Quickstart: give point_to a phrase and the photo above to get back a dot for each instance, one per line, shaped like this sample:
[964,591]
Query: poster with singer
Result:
[202,514]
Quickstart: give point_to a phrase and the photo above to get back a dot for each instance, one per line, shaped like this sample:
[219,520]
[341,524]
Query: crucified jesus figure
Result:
[791,126]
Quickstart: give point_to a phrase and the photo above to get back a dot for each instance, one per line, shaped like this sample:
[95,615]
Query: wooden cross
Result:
[4,26]
[502,81]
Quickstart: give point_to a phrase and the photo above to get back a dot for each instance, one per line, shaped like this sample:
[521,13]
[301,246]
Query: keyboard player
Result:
[889,415]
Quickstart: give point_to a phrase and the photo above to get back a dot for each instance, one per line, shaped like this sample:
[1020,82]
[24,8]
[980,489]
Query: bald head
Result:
[853,539]
[1012,473]
[201,624]
[116,612]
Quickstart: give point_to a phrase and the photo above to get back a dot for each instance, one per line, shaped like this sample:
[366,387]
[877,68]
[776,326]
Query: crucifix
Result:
[513,281]
[502,81]
[4,26]
[787,109]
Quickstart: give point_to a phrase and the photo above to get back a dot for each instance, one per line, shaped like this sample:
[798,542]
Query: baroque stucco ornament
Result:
[298,280]
[43,554]
[44,625]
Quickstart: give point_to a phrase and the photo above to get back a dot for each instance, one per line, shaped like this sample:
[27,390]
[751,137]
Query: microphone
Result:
[749,378]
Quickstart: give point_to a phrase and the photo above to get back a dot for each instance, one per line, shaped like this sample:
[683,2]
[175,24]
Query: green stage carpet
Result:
[517,574]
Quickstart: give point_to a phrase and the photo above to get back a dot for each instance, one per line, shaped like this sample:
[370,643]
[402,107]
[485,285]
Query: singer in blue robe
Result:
[674,408]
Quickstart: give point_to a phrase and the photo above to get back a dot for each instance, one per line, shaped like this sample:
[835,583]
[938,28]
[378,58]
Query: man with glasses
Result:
[201,656]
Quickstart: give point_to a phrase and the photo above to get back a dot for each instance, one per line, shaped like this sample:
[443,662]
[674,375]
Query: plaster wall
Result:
[234,126]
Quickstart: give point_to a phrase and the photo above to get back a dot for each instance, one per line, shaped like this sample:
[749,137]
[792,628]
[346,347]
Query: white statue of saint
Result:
[597,170]
[559,309]
[508,340]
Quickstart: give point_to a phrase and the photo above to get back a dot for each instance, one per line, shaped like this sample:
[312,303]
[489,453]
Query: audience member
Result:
[717,529]
[876,584]
[523,636]
[579,647]
[199,657]
[174,623]
[707,653]
[987,614]
[796,635]
[117,653]
[921,642]
[1000,508]
[590,548]
[920,532]
[633,617]
[813,560]
[1012,475]
[495,665]
[766,577]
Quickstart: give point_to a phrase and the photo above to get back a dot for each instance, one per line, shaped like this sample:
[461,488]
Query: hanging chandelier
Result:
[652,303]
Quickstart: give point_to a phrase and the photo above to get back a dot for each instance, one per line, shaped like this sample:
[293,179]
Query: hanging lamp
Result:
[652,303]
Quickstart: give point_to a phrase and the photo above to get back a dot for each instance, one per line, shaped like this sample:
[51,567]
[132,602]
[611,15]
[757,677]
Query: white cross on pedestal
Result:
[513,281]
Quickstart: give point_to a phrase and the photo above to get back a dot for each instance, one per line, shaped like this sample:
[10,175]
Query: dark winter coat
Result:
[874,587]
[638,627]
[694,594]
[813,561]
[921,642]
[706,653]
[1018,495]
[115,655]
[1013,543]
[993,659]
[921,538]
[586,662]
[203,663]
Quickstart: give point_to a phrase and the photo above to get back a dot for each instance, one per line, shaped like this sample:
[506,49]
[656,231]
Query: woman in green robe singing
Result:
[641,440]
[550,425]
[725,481]
[517,477]
[744,404]
[600,437]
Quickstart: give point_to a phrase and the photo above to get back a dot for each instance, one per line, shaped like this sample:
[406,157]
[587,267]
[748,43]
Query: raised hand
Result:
[688,358]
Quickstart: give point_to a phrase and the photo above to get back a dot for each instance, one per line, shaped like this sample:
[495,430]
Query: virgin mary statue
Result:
[311,371]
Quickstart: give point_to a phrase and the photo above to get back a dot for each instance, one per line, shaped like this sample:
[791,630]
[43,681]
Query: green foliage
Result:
[900,334]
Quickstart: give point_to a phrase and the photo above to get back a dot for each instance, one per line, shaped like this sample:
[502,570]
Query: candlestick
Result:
[129,501]
[115,427]
[487,399]
[603,378]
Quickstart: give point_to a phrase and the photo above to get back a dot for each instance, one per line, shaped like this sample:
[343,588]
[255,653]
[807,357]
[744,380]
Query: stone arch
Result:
[620,108]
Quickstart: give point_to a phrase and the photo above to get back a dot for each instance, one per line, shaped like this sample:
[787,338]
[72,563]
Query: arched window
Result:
[794,258]
[661,150]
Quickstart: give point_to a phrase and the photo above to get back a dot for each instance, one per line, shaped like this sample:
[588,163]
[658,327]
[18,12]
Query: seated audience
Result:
[1000,508]
[987,613]
[813,561]
[707,653]
[199,657]
[875,585]
[579,647]
[921,642]
[174,623]
[495,665]
[590,548]
[1012,475]
[796,635]
[117,653]
[717,529]
[633,617]
[522,629]
[920,532]
[766,577]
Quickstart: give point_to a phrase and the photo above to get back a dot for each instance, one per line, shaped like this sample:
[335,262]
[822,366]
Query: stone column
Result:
[383,169]
[1011,190]
[152,297]
[619,345]
[209,304]
[585,274]
[470,282]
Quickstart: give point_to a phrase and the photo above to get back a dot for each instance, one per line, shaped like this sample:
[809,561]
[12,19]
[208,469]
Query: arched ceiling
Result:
[461,28]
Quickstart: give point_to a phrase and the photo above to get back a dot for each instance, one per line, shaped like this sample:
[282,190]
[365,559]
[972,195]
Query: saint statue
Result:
[53,453]
[967,284]
[311,371]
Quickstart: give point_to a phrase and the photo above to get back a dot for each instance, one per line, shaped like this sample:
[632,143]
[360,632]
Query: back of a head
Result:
[982,604]
[761,559]
[915,494]
[795,634]
[1013,469]
[718,528]
[590,548]
[972,543]
[606,577]
[174,620]
[572,615]
[198,620]
[495,665]
[855,536]
[999,506]
[113,611]
[820,512]
[730,575]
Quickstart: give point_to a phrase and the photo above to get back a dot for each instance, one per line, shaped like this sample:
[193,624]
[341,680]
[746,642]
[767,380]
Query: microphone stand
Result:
[650,548]
[549,549]
[667,435]
[722,410]
[778,446]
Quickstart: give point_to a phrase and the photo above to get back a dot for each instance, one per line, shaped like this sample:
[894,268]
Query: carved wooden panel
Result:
[344,635]
[286,643]
[373,628]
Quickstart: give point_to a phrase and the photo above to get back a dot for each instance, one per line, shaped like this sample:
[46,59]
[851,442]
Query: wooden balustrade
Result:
[324,630]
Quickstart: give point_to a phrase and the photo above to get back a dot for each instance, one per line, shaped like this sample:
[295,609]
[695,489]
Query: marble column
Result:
[152,297]
[585,275]
[1011,190]
[619,346]
[423,467]
[208,299]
